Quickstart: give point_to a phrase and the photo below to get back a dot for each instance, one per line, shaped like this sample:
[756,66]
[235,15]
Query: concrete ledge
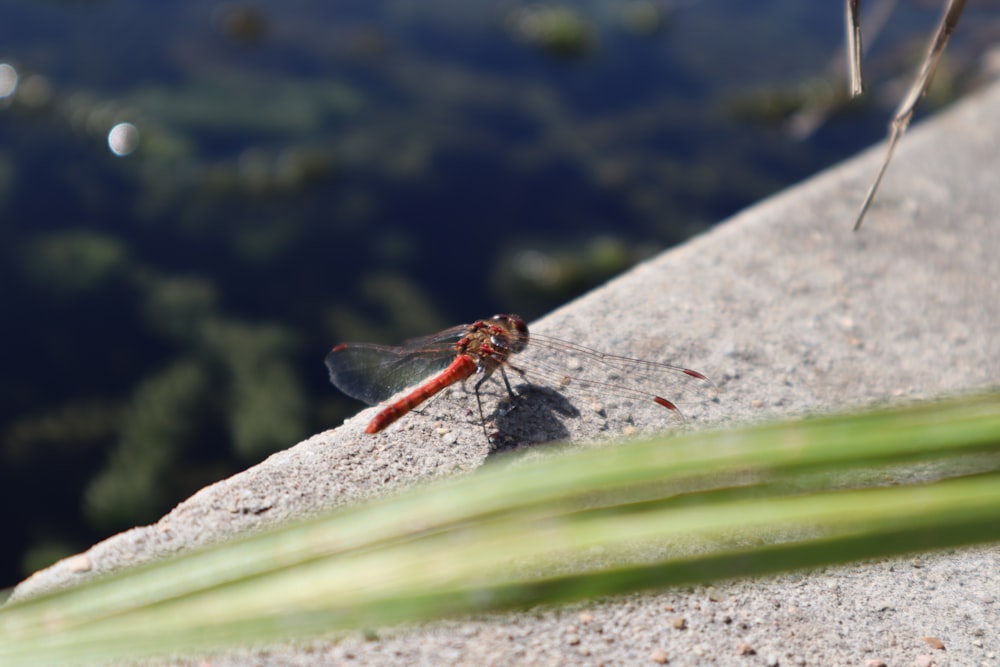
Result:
[791,313]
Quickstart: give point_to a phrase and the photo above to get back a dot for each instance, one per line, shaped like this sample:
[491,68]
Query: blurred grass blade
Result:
[694,508]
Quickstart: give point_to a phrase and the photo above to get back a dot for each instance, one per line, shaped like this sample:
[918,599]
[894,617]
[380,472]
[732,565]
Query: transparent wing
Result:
[568,366]
[373,373]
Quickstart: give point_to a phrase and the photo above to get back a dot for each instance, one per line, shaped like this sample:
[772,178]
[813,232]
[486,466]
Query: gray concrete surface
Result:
[790,313]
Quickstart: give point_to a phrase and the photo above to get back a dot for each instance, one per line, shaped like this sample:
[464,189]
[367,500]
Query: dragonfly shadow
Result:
[534,417]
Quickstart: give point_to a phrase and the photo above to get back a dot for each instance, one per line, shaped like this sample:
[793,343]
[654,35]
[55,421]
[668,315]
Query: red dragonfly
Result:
[374,373]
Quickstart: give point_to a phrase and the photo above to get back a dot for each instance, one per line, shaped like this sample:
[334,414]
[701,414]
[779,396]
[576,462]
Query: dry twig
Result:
[904,113]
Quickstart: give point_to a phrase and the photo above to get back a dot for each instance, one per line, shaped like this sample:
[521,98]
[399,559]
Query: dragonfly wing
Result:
[564,364]
[374,373]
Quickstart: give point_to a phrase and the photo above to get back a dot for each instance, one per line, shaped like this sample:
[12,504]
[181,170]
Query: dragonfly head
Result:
[517,329]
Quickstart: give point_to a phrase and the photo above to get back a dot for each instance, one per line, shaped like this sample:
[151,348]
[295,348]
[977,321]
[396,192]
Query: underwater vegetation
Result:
[197,201]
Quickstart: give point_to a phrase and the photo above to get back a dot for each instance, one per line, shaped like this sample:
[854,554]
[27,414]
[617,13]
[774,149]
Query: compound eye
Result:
[520,331]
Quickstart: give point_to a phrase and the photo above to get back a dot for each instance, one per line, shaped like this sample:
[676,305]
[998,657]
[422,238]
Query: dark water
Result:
[309,172]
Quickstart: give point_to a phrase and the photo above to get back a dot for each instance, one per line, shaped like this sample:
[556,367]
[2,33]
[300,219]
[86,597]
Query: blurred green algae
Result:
[74,261]
[236,102]
[159,423]
[238,376]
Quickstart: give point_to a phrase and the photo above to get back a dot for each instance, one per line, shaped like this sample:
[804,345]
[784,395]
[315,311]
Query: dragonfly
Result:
[375,373]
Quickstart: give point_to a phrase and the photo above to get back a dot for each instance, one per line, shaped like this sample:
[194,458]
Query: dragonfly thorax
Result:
[516,338]
[490,342]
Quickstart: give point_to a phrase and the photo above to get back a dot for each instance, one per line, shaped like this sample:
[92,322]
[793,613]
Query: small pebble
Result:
[934,642]
[659,656]
[80,563]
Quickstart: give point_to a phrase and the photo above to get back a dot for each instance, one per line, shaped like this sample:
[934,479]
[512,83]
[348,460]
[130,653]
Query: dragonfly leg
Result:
[479,402]
[503,374]
[513,397]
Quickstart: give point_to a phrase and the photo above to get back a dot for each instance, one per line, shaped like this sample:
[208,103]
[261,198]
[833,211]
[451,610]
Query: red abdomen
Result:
[462,367]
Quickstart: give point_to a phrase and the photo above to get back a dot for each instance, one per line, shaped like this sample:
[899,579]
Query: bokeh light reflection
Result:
[8,80]
[123,139]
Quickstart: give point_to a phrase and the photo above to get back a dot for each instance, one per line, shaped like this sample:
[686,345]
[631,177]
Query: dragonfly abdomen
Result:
[460,368]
